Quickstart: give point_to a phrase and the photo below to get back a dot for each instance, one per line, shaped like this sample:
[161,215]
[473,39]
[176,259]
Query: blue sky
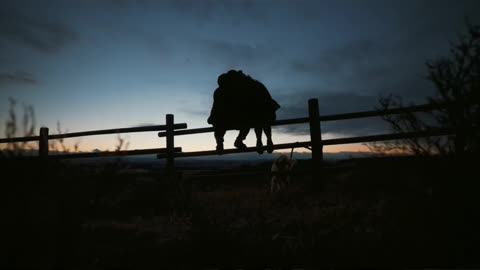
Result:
[108,64]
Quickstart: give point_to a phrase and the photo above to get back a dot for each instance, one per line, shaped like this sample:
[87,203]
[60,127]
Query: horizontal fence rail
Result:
[337,141]
[236,151]
[93,132]
[334,117]
[19,139]
[375,113]
[211,129]
[44,137]
[325,118]
[114,131]
[391,136]
[114,153]
[316,143]
[171,129]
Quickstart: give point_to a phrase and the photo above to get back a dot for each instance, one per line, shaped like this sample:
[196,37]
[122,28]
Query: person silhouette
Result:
[241,102]
[226,112]
[262,110]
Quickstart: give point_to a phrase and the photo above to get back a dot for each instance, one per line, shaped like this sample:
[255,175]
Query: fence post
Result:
[316,140]
[170,144]
[43,143]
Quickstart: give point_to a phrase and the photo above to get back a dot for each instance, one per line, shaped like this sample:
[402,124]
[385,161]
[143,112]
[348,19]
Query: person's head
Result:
[235,75]
[221,80]
[229,78]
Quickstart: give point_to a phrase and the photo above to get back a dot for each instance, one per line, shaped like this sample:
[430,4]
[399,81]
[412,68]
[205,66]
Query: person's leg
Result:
[219,134]
[268,134]
[242,135]
[258,133]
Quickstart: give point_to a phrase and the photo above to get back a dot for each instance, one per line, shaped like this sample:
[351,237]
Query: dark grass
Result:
[375,212]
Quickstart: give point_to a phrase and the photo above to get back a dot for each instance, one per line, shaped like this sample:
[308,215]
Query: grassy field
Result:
[372,212]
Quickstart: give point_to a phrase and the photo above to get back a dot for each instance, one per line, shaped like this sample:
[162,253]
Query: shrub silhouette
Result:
[457,82]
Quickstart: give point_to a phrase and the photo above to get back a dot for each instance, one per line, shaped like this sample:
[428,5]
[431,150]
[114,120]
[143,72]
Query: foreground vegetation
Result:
[405,212]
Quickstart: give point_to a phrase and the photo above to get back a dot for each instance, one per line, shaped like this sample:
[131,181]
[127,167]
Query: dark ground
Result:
[372,212]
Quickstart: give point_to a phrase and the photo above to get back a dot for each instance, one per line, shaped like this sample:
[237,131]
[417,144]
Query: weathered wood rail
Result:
[171,129]
[44,137]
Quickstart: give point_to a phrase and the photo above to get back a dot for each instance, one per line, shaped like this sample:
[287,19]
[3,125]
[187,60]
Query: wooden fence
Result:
[171,129]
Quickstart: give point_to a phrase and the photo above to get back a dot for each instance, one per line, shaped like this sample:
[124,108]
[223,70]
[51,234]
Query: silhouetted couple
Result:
[241,102]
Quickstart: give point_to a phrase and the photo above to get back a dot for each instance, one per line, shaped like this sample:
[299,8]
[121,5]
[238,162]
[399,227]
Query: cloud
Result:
[17,77]
[369,68]
[236,12]
[204,112]
[296,106]
[390,57]
[39,33]
[228,52]
[144,125]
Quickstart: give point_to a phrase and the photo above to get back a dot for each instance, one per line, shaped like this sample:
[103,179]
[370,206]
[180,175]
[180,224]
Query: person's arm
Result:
[214,110]
[266,97]
[264,89]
